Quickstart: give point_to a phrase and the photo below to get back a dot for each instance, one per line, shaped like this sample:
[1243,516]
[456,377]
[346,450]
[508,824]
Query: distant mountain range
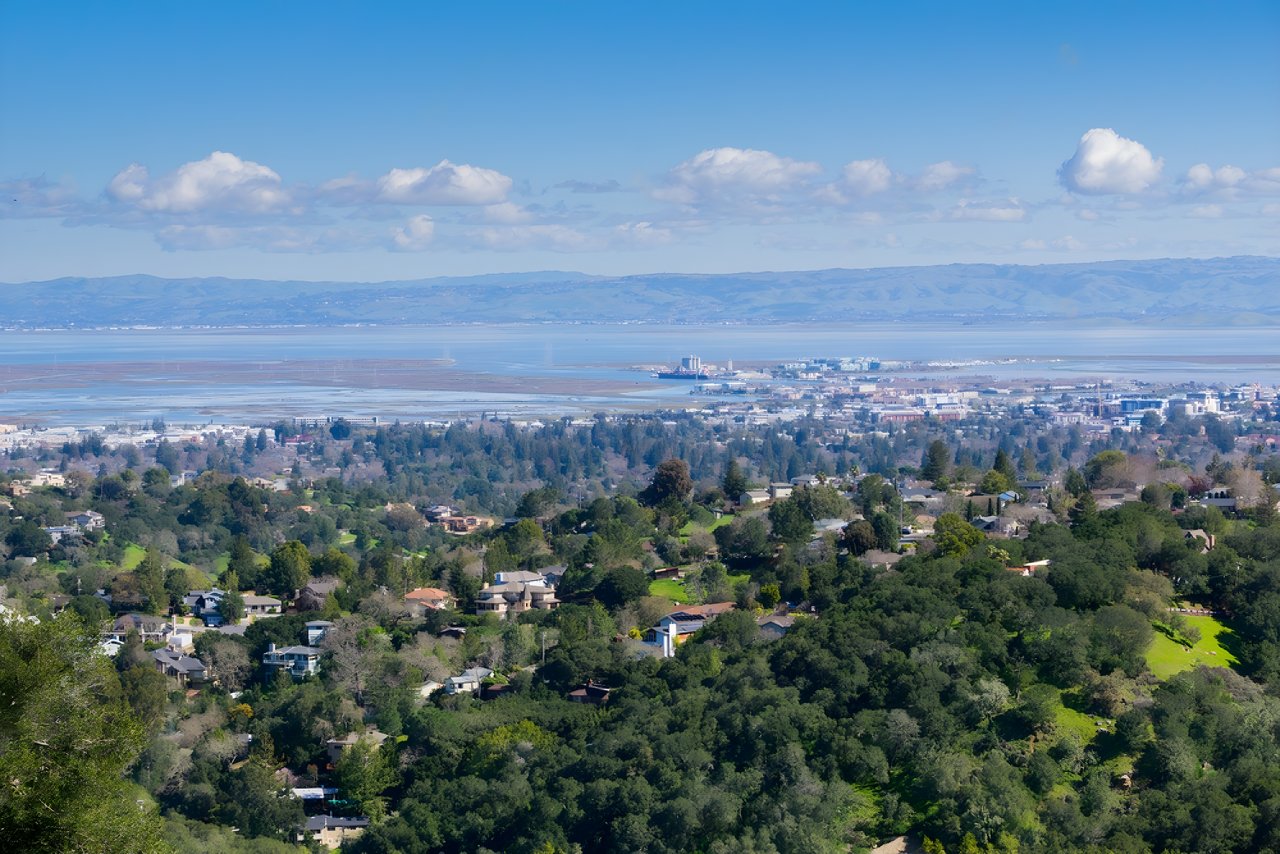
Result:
[1239,290]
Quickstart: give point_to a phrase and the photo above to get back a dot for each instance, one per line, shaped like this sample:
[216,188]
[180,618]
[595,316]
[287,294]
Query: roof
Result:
[323,822]
[254,599]
[472,674]
[518,575]
[353,737]
[317,623]
[429,593]
[711,609]
[179,662]
[297,650]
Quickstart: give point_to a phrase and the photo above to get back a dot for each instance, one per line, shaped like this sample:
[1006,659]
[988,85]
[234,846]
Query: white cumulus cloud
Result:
[220,182]
[445,183]
[1106,163]
[415,235]
[867,177]
[735,172]
[1230,182]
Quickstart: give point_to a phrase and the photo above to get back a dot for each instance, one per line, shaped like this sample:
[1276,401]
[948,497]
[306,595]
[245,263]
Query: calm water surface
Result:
[605,352]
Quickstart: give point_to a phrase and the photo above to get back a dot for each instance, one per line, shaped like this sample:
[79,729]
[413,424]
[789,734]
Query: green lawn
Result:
[133,556]
[672,588]
[690,527]
[1070,720]
[669,588]
[346,539]
[1167,658]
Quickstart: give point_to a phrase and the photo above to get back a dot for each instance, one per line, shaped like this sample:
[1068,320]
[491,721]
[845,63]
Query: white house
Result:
[298,661]
[316,631]
[468,681]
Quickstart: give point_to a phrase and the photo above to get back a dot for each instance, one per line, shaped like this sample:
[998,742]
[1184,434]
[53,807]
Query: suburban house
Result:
[204,603]
[337,746]
[1208,540]
[427,599]
[316,593]
[775,626]
[779,491]
[675,628]
[87,520]
[591,694]
[298,661]
[316,631]
[530,592]
[439,512]
[149,628]
[553,574]
[1220,498]
[110,646]
[465,524]
[184,668]
[753,496]
[468,681]
[331,830]
[261,606]
[1106,499]
[59,533]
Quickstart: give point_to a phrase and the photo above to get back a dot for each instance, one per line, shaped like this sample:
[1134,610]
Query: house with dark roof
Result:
[591,694]
[678,626]
[186,669]
[775,626]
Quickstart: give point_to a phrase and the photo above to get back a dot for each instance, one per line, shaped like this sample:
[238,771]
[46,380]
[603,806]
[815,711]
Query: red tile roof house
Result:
[427,599]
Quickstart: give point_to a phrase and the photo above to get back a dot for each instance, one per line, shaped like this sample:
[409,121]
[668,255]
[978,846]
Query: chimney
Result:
[271,647]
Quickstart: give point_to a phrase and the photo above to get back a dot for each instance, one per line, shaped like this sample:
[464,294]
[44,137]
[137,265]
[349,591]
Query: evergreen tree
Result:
[935,463]
[66,739]
[734,482]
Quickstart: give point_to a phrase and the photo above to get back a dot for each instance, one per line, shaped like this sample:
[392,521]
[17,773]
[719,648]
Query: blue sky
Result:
[377,141]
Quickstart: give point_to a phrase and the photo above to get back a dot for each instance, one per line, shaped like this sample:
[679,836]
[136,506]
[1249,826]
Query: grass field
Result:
[1167,658]
[669,588]
[1070,720]
[133,556]
[673,589]
[690,527]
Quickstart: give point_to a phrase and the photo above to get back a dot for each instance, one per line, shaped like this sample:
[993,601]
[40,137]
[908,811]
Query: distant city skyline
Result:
[397,141]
